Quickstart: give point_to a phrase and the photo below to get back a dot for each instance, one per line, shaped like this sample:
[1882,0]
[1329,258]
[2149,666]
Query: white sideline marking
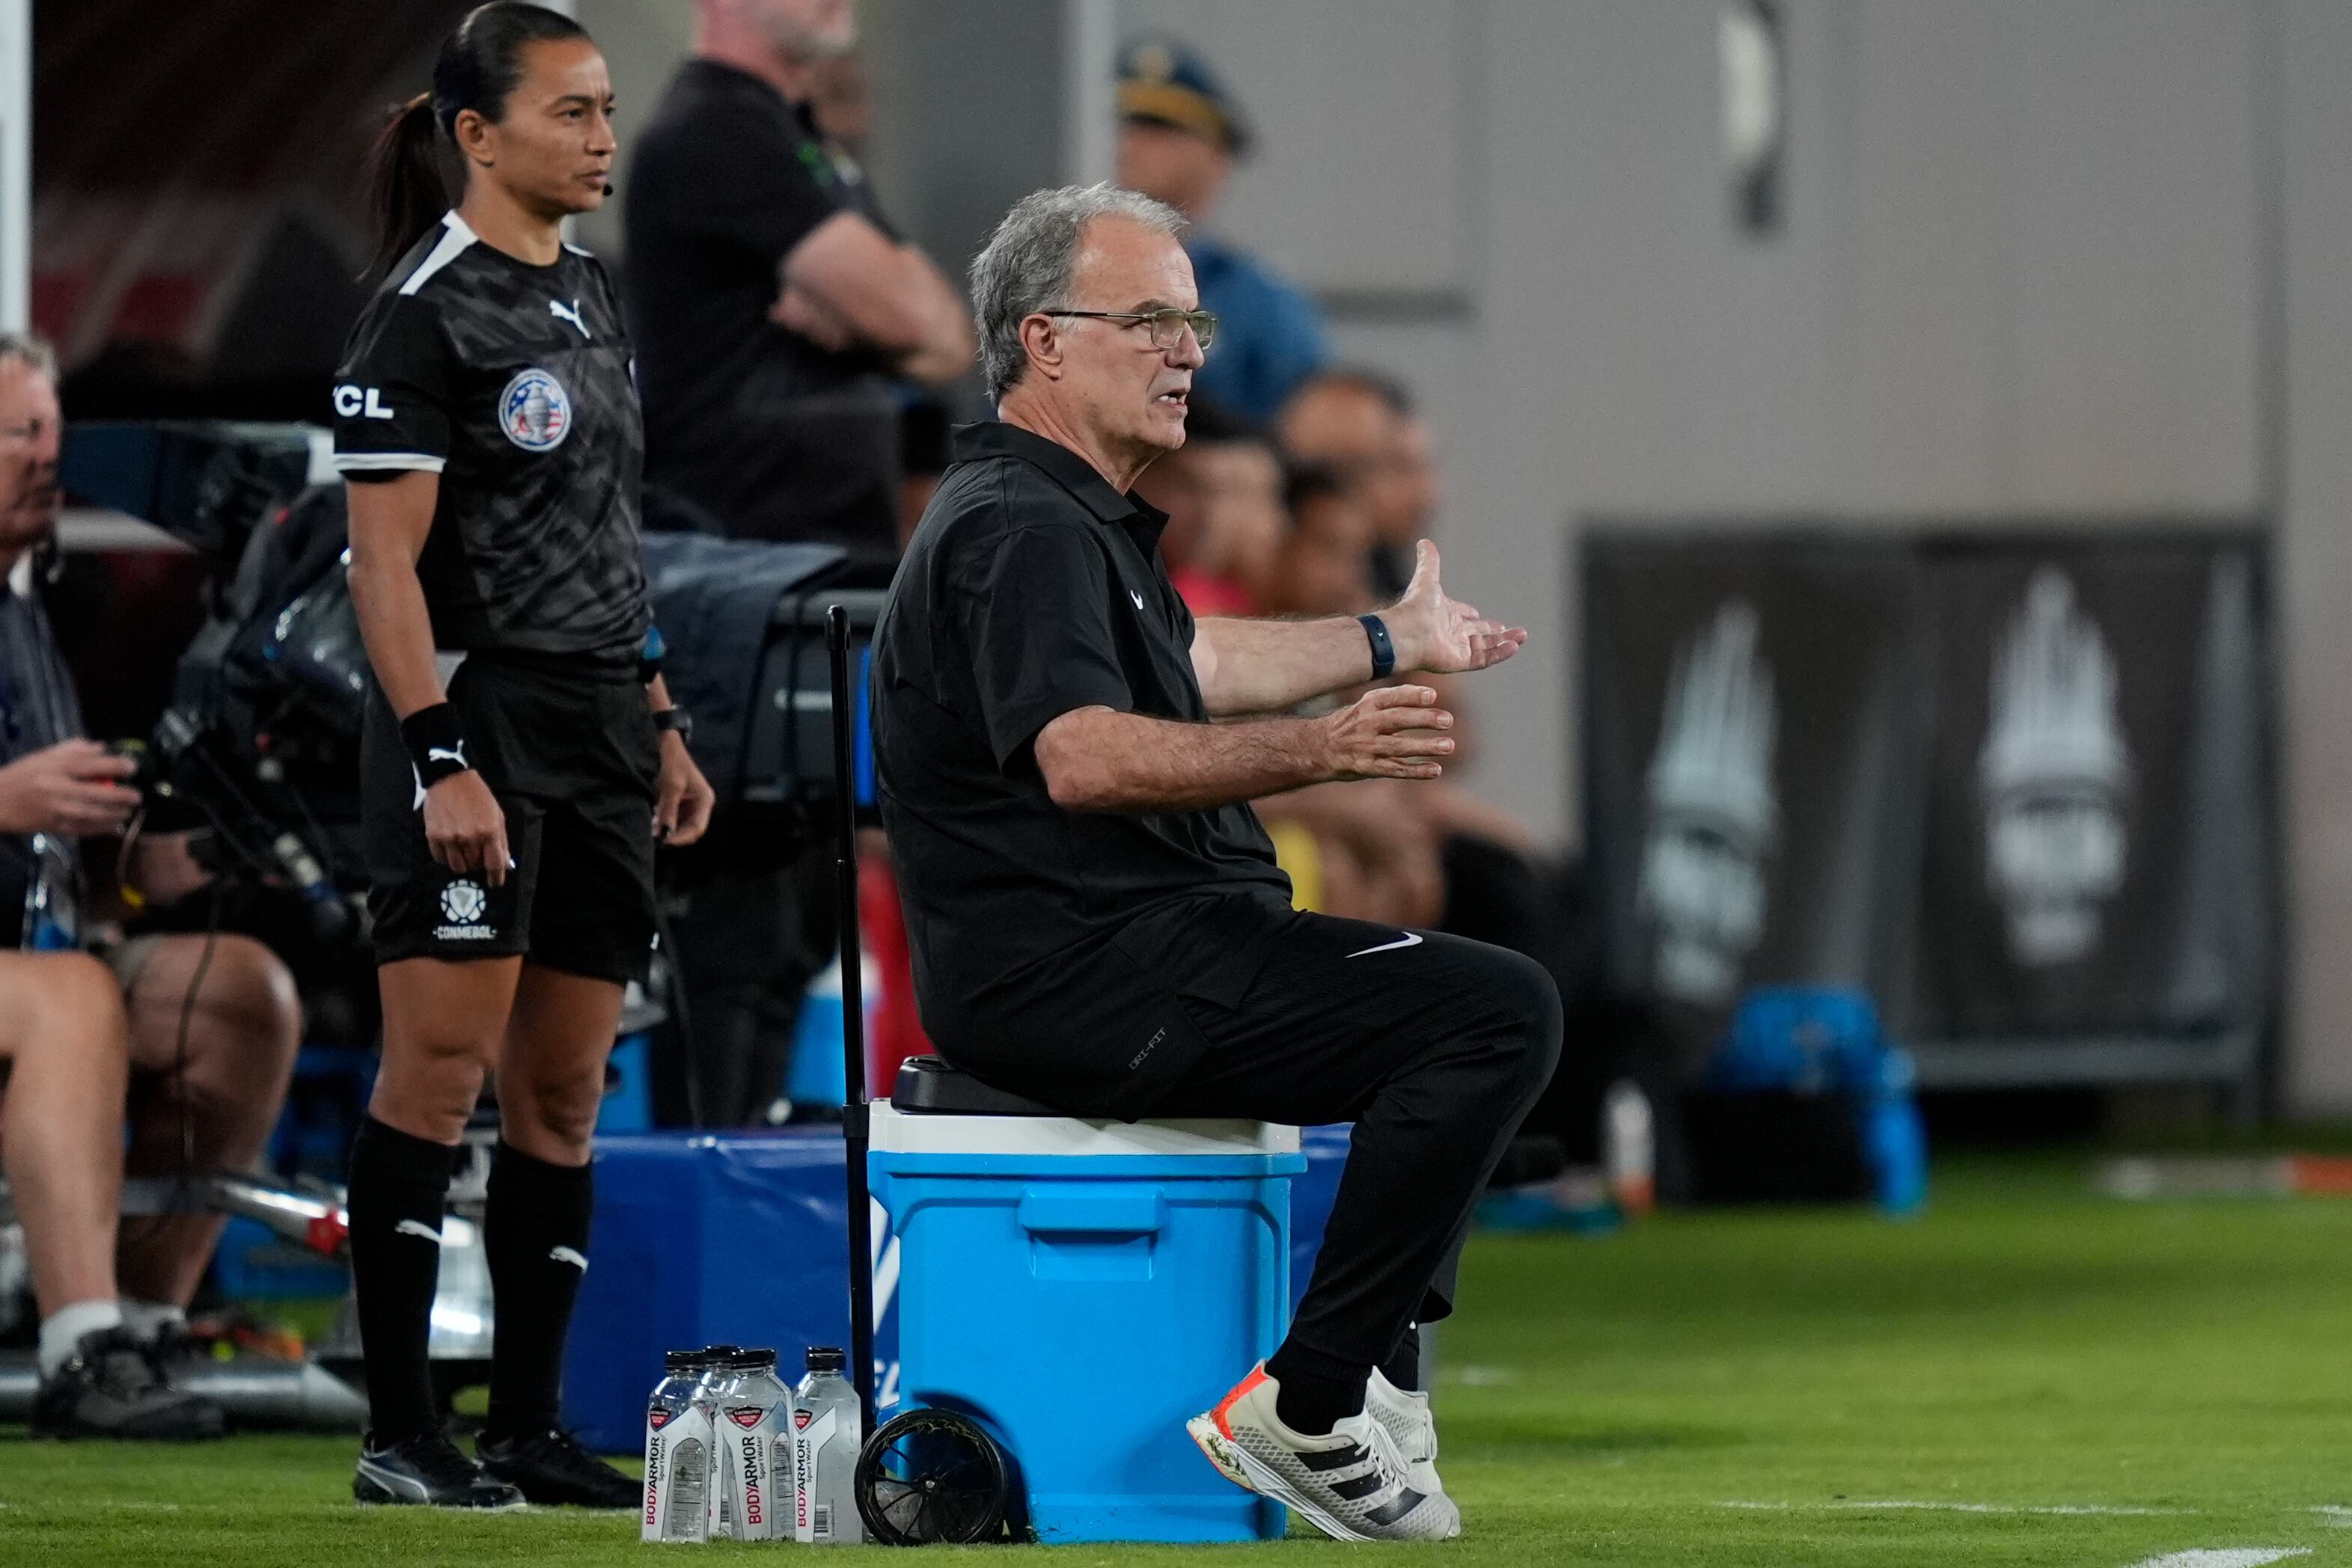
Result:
[2225,1557]
[2060,1509]
[2336,1514]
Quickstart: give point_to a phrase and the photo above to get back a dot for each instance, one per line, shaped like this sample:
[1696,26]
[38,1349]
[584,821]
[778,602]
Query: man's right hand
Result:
[465,828]
[1389,732]
[73,787]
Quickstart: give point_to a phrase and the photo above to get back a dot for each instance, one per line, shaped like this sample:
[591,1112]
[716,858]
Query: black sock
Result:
[1402,1368]
[535,1233]
[399,1185]
[1311,1400]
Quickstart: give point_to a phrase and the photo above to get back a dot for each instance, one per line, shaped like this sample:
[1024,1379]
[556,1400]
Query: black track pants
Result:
[1434,1046]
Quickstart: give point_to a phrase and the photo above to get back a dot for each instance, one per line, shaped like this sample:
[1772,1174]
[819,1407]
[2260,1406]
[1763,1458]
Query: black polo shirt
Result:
[1051,948]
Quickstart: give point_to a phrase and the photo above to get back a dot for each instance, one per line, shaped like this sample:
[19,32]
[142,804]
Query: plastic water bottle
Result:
[677,1453]
[827,1431]
[705,1400]
[749,1449]
[1629,1145]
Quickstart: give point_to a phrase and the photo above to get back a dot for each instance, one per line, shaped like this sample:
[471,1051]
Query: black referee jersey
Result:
[516,383]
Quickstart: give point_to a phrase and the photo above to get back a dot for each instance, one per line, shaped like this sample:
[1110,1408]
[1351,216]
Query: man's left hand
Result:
[682,807]
[1444,636]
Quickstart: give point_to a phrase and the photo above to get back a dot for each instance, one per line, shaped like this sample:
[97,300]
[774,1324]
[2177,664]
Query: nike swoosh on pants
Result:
[1409,939]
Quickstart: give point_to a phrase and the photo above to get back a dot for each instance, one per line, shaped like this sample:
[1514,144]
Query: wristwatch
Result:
[677,718]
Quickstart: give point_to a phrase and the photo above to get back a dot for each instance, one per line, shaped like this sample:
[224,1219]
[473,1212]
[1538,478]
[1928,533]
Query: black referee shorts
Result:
[574,761]
[1435,1047]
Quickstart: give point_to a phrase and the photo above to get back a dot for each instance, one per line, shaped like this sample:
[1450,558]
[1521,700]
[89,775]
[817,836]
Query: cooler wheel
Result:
[932,1476]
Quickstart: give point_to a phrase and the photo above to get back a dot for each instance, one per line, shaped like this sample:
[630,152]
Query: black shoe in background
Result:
[177,1350]
[550,1466]
[111,1389]
[427,1469]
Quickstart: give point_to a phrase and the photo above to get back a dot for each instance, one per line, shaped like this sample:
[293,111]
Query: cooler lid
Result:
[948,1134]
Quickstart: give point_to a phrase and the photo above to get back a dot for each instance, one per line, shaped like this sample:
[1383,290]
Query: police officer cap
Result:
[1166,79]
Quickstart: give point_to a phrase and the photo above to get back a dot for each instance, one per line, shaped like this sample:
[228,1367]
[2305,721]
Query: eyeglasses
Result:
[1167,326]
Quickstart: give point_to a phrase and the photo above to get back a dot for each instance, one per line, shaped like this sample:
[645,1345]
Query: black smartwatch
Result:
[677,719]
[1383,649]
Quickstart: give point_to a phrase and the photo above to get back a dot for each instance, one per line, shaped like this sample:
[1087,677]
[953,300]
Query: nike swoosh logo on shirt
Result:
[1409,939]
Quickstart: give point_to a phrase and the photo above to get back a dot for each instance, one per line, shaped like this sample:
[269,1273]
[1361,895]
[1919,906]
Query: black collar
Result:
[995,438]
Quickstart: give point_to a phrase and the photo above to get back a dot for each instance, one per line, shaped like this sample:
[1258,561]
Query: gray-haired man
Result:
[1096,918]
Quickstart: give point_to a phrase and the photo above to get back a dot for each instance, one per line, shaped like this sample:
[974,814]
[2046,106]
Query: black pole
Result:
[853,1026]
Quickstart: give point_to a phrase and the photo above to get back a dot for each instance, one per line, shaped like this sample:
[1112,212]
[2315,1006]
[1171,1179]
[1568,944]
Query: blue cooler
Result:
[1081,1289]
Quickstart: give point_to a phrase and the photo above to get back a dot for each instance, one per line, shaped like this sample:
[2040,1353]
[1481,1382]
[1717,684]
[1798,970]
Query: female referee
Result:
[487,425]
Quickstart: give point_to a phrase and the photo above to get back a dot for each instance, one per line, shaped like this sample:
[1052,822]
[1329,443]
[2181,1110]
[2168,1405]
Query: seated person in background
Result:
[1222,493]
[1408,856]
[193,1043]
[1361,424]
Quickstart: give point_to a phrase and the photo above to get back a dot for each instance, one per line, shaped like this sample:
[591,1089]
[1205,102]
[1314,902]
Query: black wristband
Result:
[435,742]
[1383,649]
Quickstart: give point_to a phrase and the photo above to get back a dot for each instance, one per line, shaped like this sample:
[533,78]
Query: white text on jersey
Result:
[350,401]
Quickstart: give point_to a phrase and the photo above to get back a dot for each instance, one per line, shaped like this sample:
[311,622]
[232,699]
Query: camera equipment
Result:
[207,482]
[260,741]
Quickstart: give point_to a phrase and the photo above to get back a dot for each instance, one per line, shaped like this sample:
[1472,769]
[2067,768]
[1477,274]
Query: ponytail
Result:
[479,65]
[406,190]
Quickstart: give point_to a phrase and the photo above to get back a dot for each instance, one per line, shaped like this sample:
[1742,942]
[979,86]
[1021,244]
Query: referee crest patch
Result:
[535,411]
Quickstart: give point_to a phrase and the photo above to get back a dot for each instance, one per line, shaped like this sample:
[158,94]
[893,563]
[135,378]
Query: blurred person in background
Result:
[86,1035]
[778,318]
[1222,493]
[773,309]
[1180,135]
[1362,424]
[841,104]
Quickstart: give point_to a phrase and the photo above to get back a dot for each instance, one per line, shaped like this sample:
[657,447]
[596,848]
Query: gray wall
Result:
[2045,259]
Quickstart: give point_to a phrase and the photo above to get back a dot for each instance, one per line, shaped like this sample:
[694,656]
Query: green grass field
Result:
[2027,1374]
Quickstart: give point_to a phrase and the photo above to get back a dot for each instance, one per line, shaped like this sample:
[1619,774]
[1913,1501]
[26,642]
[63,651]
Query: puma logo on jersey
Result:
[418,1228]
[1137,596]
[353,402]
[563,312]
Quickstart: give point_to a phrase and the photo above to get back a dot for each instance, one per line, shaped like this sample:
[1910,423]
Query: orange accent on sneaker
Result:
[1256,1376]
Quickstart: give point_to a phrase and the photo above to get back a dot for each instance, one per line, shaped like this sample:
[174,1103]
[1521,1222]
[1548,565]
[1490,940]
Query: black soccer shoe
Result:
[176,1351]
[428,1470]
[550,1466]
[109,1389]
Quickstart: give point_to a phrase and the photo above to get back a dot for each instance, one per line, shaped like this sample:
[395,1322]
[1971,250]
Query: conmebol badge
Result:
[1713,812]
[2052,777]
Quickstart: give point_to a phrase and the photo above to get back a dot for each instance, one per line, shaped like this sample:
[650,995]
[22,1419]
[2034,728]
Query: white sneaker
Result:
[1350,1485]
[1405,1416]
